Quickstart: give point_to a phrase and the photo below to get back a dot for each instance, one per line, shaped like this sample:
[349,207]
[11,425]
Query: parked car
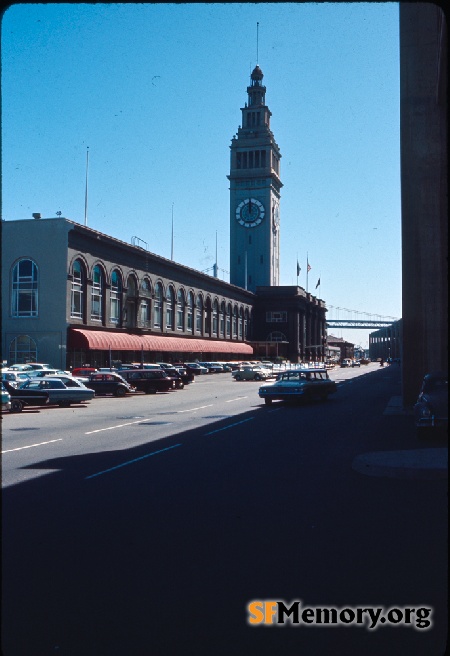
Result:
[15,378]
[431,408]
[60,393]
[171,371]
[185,375]
[41,373]
[297,385]
[251,373]
[212,367]
[110,383]
[149,381]
[6,399]
[356,363]
[83,371]
[21,398]
[346,362]
[196,368]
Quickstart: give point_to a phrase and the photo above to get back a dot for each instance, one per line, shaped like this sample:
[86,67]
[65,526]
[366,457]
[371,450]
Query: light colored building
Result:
[255,195]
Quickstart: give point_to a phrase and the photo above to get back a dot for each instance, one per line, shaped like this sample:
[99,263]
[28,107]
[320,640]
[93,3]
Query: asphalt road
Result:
[149,524]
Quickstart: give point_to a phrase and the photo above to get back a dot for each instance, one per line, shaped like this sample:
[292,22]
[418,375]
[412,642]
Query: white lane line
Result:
[230,426]
[239,398]
[179,412]
[32,445]
[130,462]
[99,430]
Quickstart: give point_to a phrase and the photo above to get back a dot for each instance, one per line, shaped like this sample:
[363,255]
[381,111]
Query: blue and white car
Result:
[299,384]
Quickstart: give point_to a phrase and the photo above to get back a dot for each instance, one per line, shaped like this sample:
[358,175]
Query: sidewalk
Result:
[424,463]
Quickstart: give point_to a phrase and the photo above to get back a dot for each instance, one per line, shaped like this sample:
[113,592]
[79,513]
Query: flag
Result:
[318,283]
[298,268]
[308,268]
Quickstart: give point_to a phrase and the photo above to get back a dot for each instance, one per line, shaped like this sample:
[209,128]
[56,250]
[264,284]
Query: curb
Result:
[423,464]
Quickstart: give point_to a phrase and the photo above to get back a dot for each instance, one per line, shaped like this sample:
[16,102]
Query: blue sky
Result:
[155,91]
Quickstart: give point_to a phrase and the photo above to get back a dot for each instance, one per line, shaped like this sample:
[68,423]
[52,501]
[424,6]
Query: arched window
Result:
[115,297]
[276,336]
[77,292]
[157,306]
[22,349]
[215,318]
[246,323]
[241,323]
[97,294]
[146,287]
[222,319]
[198,314]
[24,297]
[235,321]
[170,298]
[180,310]
[190,312]
[229,320]
[144,316]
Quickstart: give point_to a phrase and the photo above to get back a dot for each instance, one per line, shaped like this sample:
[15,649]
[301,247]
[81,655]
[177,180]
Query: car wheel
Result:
[64,404]
[16,405]
[180,385]
[237,377]
[120,392]
[257,377]
[150,390]
[268,401]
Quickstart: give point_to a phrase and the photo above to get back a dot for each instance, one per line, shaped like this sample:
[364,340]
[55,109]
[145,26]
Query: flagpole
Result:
[298,270]
[86,190]
[307,271]
[171,243]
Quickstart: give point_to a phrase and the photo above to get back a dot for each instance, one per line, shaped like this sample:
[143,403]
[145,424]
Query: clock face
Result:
[250,213]
[276,216]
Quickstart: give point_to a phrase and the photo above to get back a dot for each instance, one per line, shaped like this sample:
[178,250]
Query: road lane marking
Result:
[19,448]
[130,462]
[230,426]
[239,398]
[202,407]
[99,430]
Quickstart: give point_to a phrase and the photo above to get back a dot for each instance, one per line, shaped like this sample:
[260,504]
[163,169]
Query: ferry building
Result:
[72,295]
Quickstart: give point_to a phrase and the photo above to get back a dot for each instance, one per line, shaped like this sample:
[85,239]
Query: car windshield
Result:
[434,384]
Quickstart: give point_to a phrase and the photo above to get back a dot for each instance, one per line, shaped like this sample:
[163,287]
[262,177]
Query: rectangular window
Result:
[263,158]
[144,313]
[256,159]
[250,160]
[96,303]
[115,307]
[238,160]
[276,317]
[244,160]
[179,318]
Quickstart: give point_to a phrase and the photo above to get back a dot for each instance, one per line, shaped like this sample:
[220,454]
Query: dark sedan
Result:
[110,383]
[21,398]
[149,381]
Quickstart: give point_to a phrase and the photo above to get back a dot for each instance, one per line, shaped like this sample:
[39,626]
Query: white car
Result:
[251,373]
[15,378]
[59,392]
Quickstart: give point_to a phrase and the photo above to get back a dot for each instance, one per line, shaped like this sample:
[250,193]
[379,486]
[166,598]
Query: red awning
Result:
[101,340]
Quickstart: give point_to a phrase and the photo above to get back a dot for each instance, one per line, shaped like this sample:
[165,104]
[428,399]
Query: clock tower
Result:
[255,195]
